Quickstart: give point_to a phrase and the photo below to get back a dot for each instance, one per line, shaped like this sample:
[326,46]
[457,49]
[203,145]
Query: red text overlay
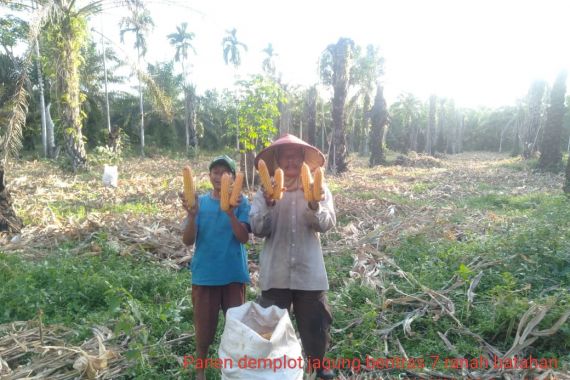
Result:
[370,363]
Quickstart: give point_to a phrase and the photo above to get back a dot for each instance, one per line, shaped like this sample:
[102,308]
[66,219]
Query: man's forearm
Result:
[239,229]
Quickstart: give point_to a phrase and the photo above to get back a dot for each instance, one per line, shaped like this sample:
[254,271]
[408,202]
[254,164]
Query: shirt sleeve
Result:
[323,218]
[260,216]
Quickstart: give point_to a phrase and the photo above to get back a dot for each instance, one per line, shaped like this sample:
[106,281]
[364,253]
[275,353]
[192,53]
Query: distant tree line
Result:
[61,96]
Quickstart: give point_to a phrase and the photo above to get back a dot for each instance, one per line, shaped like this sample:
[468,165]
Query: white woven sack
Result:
[110,176]
[251,355]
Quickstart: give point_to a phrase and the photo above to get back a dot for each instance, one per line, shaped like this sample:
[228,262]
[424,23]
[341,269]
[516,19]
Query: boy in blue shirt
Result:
[219,264]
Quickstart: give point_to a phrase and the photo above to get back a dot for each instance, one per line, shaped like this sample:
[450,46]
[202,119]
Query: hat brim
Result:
[312,156]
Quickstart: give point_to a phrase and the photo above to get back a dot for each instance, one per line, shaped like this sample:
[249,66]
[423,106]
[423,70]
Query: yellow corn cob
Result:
[306,179]
[278,189]
[236,189]
[264,176]
[188,186]
[318,184]
[225,192]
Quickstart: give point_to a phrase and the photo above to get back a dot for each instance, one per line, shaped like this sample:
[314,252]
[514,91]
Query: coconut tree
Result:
[268,64]
[232,46]
[182,41]
[336,63]
[140,23]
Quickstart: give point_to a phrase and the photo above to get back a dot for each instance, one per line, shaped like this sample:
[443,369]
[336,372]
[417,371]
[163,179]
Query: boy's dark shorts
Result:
[207,302]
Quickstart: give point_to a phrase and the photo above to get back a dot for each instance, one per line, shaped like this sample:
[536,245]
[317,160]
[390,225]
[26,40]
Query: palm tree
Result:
[140,23]
[48,152]
[268,64]
[566,187]
[550,155]
[409,107]
[68,33]
[12,120]
[232,47]
[336,63]
[181,40]
[365,74]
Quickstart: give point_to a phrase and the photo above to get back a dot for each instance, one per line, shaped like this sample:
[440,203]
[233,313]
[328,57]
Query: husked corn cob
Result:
[225,192]
[278,189]
[264,176]
[189,193]
[236,191]
[306,179]
[318,184]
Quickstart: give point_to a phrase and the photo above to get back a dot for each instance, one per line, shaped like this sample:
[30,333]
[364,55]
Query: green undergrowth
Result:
[528,264]
[131,296]
[524,257]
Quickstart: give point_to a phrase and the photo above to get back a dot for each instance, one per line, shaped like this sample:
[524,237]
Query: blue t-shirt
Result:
[219,258]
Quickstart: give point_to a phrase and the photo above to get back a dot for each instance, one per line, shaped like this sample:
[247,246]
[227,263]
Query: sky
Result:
[480,53]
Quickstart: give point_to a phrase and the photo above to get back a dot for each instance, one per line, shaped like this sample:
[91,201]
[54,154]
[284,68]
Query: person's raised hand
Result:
[191,211]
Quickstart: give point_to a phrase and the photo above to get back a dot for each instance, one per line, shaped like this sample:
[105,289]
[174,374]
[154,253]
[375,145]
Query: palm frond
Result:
[162,101]
[11,137]
[11,132]
[92,7]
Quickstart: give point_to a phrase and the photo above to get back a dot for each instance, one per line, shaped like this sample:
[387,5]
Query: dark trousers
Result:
[312,313]
[207,302]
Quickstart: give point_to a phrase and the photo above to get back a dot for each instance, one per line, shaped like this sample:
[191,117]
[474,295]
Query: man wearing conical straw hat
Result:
[292,268]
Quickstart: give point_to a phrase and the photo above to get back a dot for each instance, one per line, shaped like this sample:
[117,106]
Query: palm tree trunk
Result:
[338,153]
[142,117]
[141,106]
[460,134]
[71,110]
[566,187]
[50,132]
[106,91]
[431,126]
[532,129]
[192,131]
[187,119]
[365,125]
[42,99]
[550,154]
[312,116]
[9,221]
[186,108]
